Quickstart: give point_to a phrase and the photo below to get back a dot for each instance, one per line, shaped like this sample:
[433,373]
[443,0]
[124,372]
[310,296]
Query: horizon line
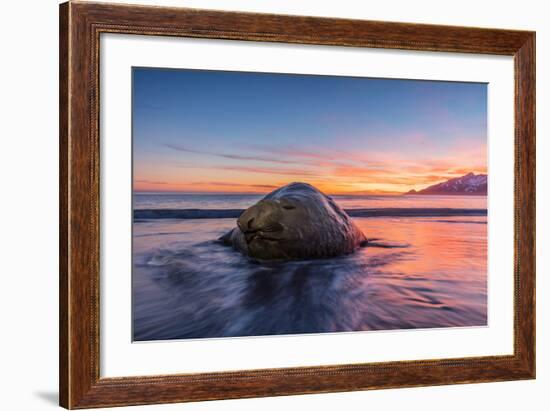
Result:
[350,193]
[356,193]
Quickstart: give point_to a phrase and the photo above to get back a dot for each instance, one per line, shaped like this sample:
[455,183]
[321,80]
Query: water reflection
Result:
[423,273]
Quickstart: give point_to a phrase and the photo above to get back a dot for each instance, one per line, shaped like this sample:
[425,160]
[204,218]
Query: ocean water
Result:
[419,272]
[153,201]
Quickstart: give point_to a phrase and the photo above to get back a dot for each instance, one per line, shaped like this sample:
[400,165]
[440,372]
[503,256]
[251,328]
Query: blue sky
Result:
[221,131]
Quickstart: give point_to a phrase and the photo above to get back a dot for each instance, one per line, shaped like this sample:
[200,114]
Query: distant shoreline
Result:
[195,213]
[418,193]
[354,194]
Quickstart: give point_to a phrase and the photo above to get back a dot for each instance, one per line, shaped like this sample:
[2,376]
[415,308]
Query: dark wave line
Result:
[195,213]
[458,221]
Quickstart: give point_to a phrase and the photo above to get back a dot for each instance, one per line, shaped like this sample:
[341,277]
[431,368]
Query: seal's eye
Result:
[288,207]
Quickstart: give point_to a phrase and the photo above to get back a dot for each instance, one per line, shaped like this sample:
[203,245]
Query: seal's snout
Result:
[259,219]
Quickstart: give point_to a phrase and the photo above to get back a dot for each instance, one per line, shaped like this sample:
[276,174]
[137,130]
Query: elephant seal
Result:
[296,221]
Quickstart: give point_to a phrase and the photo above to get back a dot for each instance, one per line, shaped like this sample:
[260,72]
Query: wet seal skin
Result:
[294,222]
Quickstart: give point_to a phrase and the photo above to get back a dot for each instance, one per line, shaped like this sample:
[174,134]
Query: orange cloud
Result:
[333,171]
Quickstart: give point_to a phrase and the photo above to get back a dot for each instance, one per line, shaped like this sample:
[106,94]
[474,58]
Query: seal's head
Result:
[293,222]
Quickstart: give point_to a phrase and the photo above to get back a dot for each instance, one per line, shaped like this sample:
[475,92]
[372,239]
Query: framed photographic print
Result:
[257,205]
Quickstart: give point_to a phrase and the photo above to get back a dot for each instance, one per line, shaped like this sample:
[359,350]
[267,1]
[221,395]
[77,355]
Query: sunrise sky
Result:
[233,132]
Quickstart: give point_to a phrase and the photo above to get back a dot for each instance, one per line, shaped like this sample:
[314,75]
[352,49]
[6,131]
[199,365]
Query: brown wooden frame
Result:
[79,380]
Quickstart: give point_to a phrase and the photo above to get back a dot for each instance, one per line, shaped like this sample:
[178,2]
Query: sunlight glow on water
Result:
[186,285]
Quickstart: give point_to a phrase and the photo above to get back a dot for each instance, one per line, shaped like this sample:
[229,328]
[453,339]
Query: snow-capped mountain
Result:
[475,184]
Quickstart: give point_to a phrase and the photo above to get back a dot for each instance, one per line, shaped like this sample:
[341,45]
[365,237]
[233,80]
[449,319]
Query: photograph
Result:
[275,205]
[287,204]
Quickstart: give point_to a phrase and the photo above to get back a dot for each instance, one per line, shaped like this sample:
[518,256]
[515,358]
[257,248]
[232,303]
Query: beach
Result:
[418,272]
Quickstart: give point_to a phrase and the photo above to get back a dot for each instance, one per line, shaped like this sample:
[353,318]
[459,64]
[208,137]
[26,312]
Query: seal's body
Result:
[296,221]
